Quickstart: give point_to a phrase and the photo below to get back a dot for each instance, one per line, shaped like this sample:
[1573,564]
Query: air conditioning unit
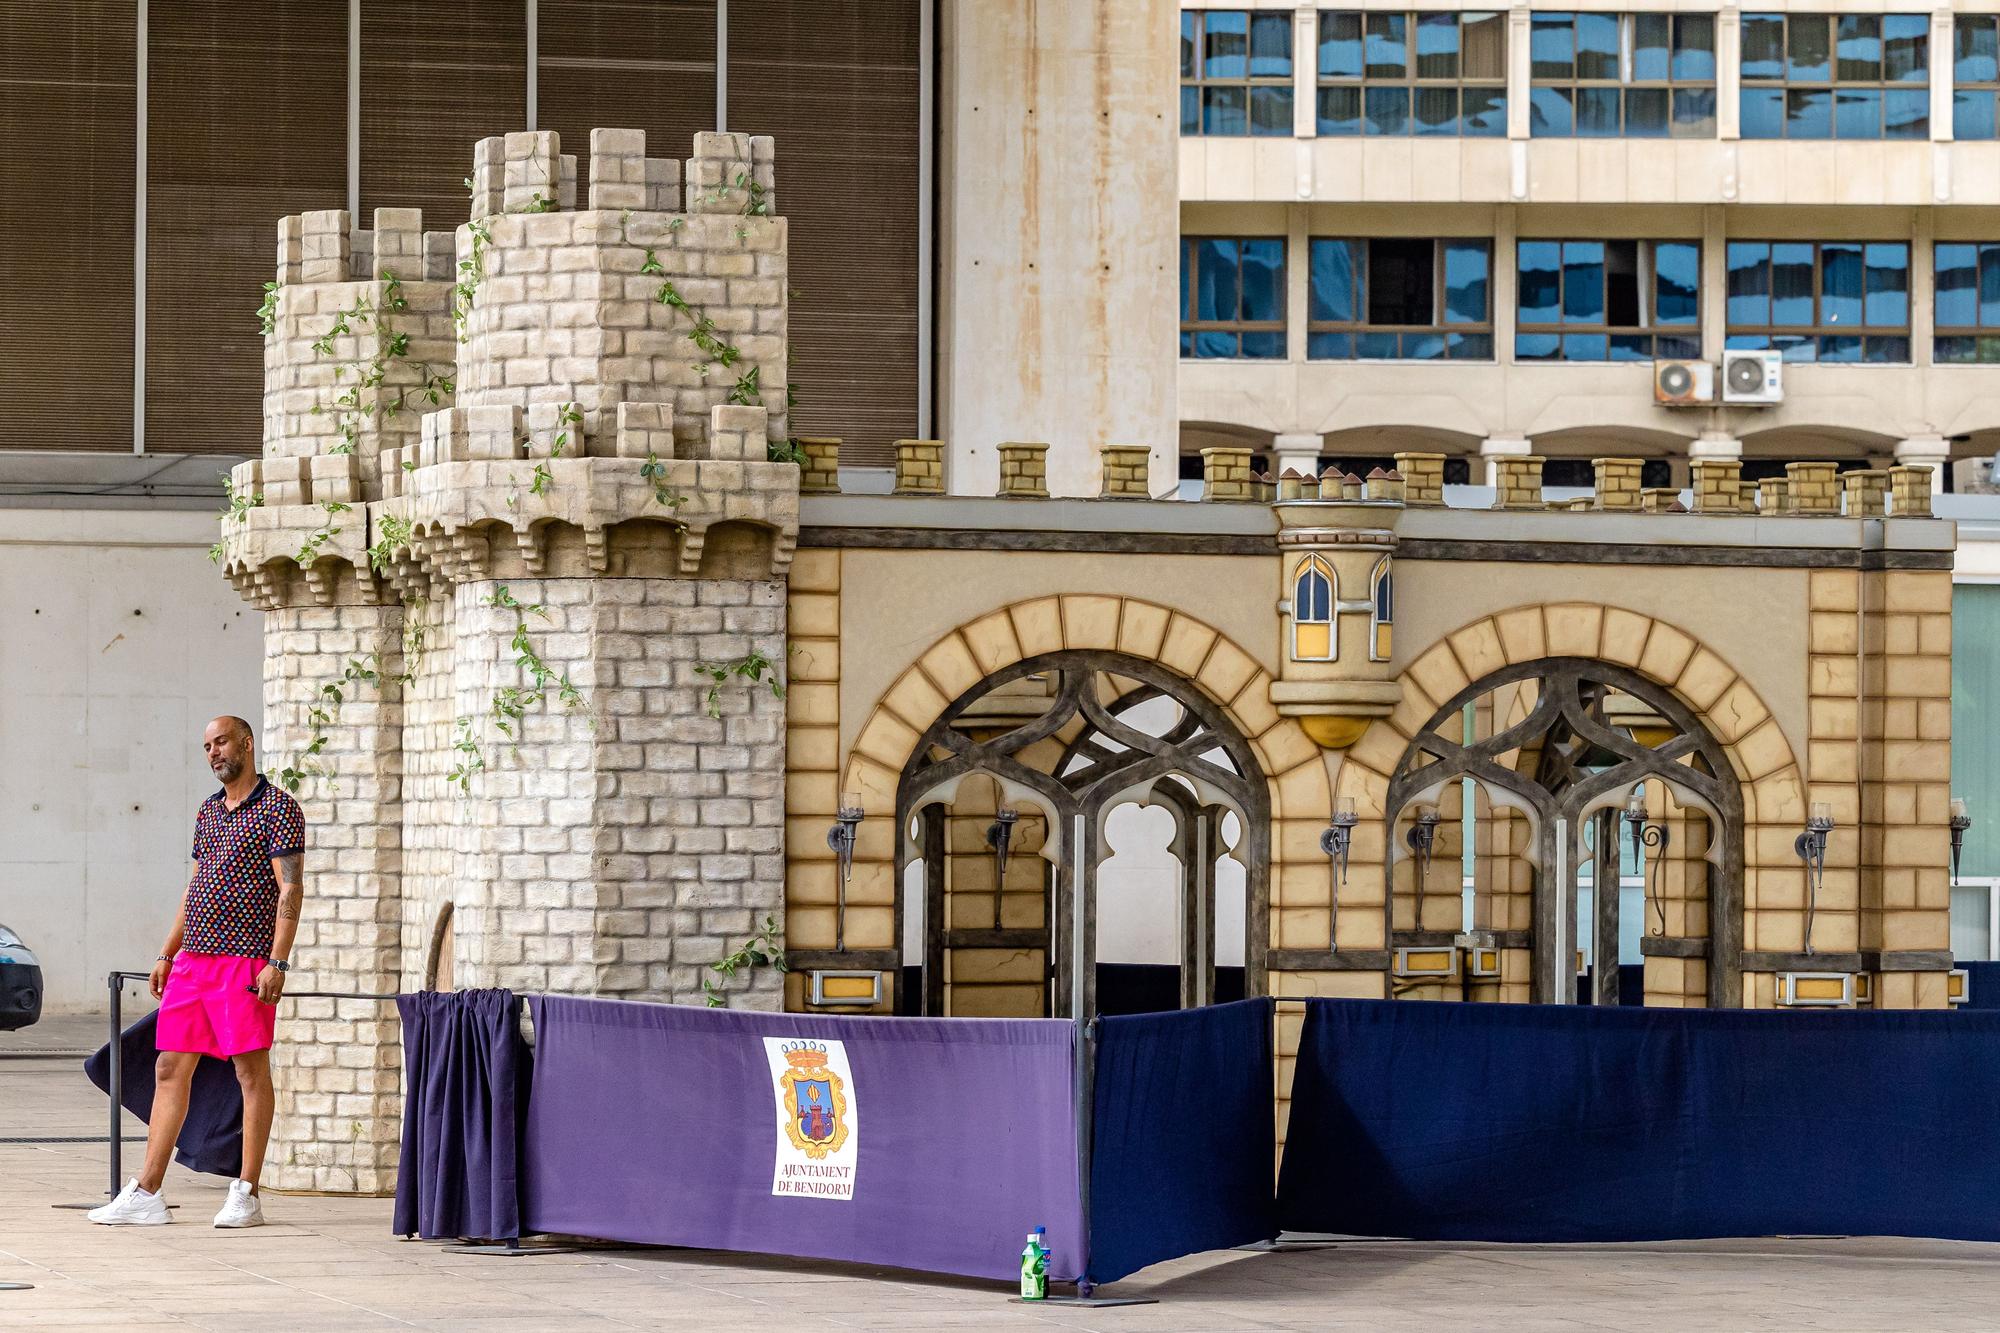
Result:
[1753,378]
[1683,383]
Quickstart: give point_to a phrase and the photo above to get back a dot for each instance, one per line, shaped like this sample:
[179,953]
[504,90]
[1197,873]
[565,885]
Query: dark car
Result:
[20,983]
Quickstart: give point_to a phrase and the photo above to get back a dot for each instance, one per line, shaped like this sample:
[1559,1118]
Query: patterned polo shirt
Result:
[232,902]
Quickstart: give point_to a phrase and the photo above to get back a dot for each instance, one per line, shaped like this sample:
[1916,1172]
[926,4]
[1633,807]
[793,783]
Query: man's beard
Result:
[229,770]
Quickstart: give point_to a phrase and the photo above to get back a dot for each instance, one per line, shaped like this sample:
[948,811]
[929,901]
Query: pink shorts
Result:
[210,1007]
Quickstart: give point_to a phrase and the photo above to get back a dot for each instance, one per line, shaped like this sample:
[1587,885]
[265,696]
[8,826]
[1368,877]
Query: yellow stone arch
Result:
[1767,769]
[1295,768]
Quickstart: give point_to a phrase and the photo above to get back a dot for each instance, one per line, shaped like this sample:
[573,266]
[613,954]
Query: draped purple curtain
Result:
[465,1085]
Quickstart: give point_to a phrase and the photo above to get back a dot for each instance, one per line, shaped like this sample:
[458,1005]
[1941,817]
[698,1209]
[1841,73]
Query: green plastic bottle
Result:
[1035,1267]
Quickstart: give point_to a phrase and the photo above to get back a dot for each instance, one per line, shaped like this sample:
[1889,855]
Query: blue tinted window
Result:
[1552,46]
[1332,293]
[1840,289]
[1839,302]
[1848,76]
[1989,285]
[1216,299]
[1339,45]
[1229,283]
[1270,46]
[1972,113]
[1763,46]
[1906,42]
[1465,264]
[1540,277]
[1763,113]
[1694,48]
[1432,73]
[1223,111]
[1600,75]
[1808,113]
[1236,71]
[1957,285]
[1749,264]
[1264,279]
[1583,282]
[1677,275]
[1888,285]
[1483,113]
[1550,113]
[1975,49]
[1226,50]
[1585,300]
[1386,48]
[1597,46]
[1792,282]
[1398,298]
[1906,113]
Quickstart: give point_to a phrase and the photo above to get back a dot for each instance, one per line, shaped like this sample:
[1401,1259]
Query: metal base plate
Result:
[511,1251]
[1093,1301]
[17,1286]
[86,1207]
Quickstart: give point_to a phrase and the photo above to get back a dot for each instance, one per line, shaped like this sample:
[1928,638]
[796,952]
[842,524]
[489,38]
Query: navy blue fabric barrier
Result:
[1182,1140]
[465,1085]
[211,1138]
[1533,1123]
[1982,985]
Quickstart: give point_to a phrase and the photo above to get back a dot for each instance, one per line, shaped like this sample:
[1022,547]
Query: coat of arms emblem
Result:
[815,1100]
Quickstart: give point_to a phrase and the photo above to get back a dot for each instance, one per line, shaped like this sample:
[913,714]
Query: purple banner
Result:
[934,1144]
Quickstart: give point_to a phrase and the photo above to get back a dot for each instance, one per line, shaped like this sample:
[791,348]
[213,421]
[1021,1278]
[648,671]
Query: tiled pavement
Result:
[329,1263]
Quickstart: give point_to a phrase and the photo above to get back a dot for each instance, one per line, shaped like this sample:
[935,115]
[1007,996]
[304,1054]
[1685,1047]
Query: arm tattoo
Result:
[290,888]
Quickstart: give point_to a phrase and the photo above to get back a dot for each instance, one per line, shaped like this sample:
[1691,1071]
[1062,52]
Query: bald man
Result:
[222,970]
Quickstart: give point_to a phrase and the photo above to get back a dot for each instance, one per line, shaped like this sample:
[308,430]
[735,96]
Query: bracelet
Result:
[164,958]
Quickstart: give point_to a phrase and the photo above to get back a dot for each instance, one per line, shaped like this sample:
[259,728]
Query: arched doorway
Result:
[1062,740]
[1563,744]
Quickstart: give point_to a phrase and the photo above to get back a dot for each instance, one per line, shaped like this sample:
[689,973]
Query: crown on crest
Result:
[804,1054]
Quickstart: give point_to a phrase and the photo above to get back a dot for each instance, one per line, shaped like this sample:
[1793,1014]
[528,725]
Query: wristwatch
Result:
[280,964]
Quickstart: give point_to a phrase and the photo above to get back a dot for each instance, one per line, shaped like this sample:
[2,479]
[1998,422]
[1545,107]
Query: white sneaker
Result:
[241,1208]
[133,1207]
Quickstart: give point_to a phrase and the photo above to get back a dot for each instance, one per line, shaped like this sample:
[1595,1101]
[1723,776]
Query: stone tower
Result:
[522,550]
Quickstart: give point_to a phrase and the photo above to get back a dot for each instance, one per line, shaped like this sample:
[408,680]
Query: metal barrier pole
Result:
[116,984]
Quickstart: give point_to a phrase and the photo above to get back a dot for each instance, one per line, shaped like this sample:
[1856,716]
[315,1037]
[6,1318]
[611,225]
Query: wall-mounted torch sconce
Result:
[1811,848]
[1421,837]
[1334,840]
[1961,820]
[840,840]
[998,835]
[1646,835]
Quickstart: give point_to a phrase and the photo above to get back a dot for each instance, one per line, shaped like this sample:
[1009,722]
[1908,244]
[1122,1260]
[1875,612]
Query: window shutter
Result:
[68,103]
[246,122]
[836,82]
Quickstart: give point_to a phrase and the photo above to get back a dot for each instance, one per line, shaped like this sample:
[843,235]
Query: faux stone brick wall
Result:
[335,1062]
[623,858]
[565,315]
[302,386]
[431,826]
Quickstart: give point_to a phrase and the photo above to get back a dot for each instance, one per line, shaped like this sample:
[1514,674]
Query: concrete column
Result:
[1496,447]
[1923,285]
[1714,297]
[1931,451]
[1299,453]
[1715,445]
[1305,72]
[1505,283]
[1729,73]
[1519,70]
[1942,74]
[1056,267]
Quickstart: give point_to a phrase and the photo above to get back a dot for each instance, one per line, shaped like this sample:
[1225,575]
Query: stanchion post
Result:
[116,984]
